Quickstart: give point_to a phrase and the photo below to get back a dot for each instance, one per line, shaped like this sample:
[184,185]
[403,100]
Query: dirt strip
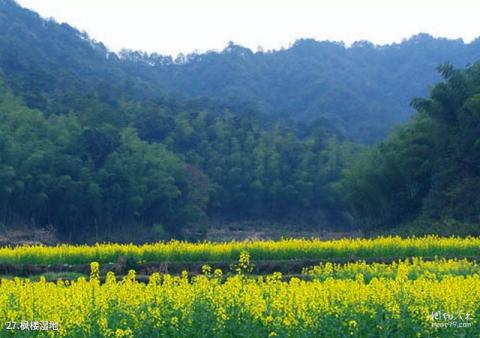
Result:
[260,267]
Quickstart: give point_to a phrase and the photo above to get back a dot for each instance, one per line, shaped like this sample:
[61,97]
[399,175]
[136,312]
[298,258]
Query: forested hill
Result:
[92,143]
[88,146]
[364,89]
[56,68]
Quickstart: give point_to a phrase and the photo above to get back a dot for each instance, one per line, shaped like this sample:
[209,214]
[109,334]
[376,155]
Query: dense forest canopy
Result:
[431,166]
[92,142]
[364,90]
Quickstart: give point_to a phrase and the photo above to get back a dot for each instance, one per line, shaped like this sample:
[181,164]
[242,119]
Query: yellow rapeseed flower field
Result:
[259,250]
[405,299]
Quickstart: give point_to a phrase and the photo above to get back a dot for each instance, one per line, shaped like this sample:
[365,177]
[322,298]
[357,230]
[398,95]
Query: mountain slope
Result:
[89,145]
[364,89]
[93,143]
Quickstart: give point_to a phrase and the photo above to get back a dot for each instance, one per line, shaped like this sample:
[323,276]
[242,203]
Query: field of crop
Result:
[385,247]
[407,298]
[437,302]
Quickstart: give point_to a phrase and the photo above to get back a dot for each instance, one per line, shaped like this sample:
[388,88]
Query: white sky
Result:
[174,26]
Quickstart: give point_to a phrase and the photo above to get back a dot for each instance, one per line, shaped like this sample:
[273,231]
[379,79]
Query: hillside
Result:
[364,90]
[91,149]
[94,144]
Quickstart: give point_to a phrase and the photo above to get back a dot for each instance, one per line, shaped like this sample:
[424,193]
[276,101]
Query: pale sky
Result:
[174,26]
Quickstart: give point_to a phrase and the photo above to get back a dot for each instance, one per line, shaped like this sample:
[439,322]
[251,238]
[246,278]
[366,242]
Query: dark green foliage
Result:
[256,172]
[75,175]
[53,171]
[92,143]
[363,90]
[431,166]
